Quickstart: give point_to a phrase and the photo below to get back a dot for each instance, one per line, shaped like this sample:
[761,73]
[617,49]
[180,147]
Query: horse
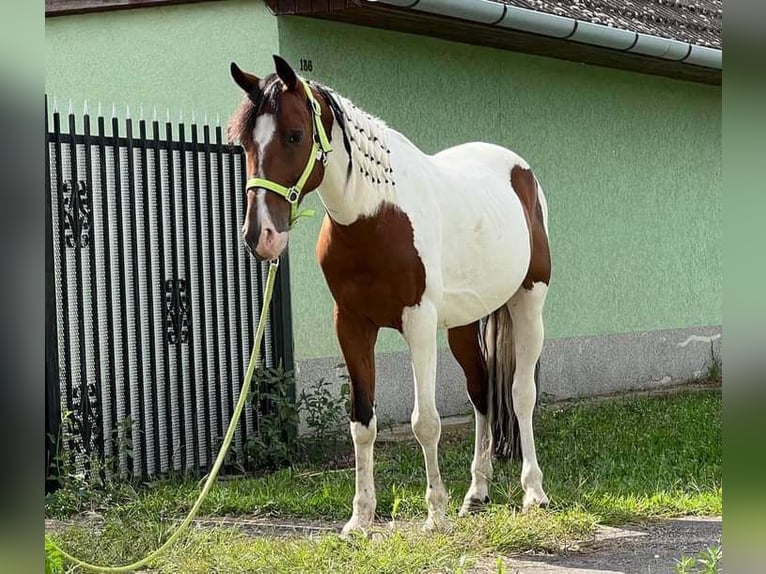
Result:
[457,240]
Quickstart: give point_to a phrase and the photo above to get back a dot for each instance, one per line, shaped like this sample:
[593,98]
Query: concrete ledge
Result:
[570,368]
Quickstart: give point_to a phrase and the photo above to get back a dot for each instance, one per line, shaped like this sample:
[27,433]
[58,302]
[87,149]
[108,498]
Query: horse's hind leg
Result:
[419,330]
[357,336]
[465,346]
[526,307]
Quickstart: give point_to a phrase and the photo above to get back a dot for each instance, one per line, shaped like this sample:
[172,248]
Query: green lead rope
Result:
[243,397]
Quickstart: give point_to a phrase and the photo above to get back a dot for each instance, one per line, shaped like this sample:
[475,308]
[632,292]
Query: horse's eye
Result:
[295,137]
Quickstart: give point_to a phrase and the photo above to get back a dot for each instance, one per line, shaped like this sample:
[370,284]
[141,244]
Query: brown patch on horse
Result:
[372,267]
[466,348]
[357,336]
[525,186]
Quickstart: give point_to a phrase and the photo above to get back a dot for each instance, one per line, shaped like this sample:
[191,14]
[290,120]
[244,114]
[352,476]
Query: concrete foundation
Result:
[569,368]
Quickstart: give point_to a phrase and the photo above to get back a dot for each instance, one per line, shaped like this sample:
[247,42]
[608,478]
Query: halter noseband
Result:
[319,150]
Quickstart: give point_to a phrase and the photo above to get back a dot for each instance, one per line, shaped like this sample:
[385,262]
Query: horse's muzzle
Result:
[264,242]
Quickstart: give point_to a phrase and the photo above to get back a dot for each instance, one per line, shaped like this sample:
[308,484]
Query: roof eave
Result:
[498,14]
[490,23]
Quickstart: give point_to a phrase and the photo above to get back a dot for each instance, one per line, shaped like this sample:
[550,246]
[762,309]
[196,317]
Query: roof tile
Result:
[698,22]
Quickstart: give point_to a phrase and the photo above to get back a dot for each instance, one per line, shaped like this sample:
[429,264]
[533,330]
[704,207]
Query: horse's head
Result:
[284,130]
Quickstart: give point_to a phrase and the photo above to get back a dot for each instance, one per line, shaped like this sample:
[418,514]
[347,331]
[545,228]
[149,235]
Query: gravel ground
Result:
[645,549]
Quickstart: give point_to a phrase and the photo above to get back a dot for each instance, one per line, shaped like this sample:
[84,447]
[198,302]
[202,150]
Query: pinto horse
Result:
[414,242]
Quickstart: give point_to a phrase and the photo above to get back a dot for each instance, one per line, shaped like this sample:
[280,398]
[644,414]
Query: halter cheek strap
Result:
[320,147]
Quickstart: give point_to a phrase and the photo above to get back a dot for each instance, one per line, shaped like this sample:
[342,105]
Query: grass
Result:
[706,562]
[403,549]
[611,462]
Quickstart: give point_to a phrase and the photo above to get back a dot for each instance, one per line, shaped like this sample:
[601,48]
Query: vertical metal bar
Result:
[257,284]
[200,287]
[163,277]
[52,373]
[247,283]
[149,284]
[174,253]
[225,274]
[192,390]
[63,272]
[139,408]
[218,383]
[282,325]
[240,356]
[123,282]
[94,284]
[248,267]
[108,280]
[80,309]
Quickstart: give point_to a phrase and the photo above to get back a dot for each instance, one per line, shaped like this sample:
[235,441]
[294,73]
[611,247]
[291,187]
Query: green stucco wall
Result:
[630,163]
[175,57]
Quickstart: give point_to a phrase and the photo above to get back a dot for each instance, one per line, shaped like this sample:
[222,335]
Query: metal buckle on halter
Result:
[293,194]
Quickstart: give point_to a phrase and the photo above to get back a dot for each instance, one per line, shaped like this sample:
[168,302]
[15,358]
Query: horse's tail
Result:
[499,352]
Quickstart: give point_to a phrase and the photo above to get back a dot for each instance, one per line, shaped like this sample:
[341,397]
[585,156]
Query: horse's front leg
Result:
[419,330]
[357,336]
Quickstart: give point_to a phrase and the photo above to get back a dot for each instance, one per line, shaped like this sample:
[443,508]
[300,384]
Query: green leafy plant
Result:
[276,441]
[706,562]
[54,561]
[710,559]
[92,483]
[275,413]
[326,416]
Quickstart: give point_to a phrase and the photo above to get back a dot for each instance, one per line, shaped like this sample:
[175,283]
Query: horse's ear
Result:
[246,81]
[285,73]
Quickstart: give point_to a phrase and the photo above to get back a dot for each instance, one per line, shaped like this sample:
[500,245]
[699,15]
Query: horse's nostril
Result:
[251,240]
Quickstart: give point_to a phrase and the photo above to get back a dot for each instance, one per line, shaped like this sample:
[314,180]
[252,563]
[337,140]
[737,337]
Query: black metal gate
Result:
[151,299]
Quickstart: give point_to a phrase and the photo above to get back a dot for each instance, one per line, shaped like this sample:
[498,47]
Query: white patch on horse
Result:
[481,467]
[263,133]
[364,499]
[371,181]
[543,205]
[263,210]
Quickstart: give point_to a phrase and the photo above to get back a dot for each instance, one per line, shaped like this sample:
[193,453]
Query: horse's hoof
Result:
[442,524]
[534,500]
[473,505]
[355,527]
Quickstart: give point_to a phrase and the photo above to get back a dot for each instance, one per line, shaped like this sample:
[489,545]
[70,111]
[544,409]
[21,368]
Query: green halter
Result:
[319,150]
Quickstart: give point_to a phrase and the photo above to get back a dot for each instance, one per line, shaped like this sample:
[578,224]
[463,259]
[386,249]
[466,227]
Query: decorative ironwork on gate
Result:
[151,299]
